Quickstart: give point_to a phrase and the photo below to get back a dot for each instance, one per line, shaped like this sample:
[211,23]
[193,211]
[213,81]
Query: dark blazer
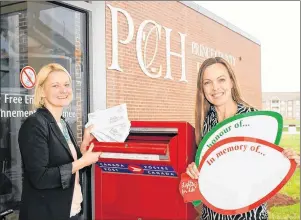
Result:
[48,182]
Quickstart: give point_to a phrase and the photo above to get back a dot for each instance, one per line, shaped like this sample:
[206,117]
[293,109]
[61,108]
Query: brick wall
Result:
[164,99]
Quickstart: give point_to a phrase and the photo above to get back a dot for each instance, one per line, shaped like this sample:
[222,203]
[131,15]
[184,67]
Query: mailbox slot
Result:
[140,141]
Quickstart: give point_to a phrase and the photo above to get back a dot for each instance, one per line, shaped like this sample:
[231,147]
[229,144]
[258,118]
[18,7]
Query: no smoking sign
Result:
[28,77]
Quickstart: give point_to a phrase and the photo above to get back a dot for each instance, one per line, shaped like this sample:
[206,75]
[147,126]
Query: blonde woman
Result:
[218,98]
[52,161]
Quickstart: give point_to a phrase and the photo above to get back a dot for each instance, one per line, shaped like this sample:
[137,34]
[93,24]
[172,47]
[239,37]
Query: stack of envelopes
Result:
[110,125]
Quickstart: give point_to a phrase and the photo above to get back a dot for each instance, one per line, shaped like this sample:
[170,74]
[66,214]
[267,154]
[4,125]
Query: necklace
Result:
[64,130]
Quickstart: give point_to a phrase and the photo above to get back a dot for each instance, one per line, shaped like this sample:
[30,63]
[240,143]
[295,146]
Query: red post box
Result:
[139,179]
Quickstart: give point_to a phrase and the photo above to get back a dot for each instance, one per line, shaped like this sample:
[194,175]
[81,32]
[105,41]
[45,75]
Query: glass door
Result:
[34,34]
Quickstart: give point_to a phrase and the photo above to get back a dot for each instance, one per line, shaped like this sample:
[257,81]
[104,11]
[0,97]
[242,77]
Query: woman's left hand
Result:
[87,138]
[292,155]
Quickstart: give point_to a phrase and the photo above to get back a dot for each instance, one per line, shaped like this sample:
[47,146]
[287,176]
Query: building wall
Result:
[171,99]
[285,103]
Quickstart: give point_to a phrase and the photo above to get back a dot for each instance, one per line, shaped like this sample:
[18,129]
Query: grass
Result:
[287,122]
[290,141]
[291,122]
[291,212]
[292,188]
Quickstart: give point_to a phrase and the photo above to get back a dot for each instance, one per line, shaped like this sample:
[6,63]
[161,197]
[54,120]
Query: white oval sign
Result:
[238,174]
[265,125]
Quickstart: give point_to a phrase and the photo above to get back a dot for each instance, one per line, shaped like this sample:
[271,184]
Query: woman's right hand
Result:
[90,157]
[192,171]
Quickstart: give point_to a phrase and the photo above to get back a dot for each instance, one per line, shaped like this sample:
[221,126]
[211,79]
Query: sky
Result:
[277,26]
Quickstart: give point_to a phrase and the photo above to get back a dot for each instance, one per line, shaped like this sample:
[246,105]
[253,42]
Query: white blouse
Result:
[77,193]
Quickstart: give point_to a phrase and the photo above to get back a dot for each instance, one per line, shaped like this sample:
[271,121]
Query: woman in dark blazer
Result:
[52,161]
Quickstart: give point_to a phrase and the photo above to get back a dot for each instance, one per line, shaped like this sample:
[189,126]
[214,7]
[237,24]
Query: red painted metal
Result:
[128,147]
[135,195]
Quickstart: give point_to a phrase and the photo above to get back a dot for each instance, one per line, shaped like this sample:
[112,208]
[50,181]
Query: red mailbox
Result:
[139,179]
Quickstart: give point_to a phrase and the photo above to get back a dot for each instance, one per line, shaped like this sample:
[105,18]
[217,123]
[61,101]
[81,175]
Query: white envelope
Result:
[110,125]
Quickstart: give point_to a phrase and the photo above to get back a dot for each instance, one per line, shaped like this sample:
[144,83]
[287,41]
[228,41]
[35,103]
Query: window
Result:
[275,109]
[275,101]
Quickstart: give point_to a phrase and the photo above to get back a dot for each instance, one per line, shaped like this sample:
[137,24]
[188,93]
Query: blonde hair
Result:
[42,76]
[202,105]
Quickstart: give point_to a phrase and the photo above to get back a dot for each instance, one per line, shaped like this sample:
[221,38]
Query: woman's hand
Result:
[292,155]
[87,138]
[90,157]
[192,171]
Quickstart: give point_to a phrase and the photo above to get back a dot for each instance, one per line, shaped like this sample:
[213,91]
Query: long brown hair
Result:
[202,105]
